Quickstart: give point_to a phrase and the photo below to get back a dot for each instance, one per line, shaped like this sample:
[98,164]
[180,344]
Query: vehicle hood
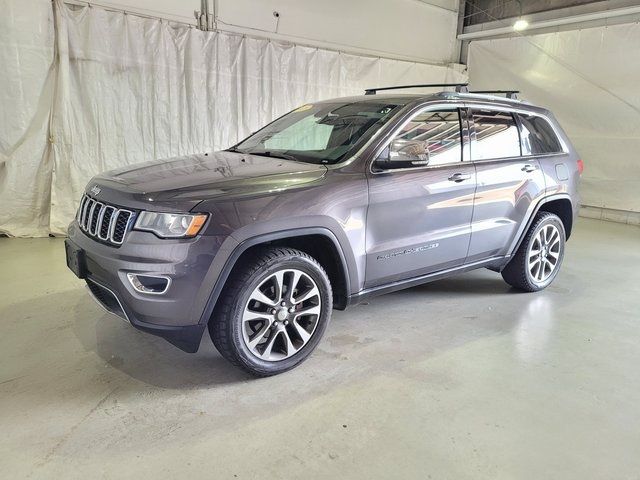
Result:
[180,183]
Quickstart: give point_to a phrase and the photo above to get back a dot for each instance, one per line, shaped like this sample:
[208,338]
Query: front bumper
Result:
[176,315]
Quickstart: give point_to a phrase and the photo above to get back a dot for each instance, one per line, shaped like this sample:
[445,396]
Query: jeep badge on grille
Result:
[95,190]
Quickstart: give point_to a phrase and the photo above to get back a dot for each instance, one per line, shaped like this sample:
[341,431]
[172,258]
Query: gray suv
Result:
[326,206]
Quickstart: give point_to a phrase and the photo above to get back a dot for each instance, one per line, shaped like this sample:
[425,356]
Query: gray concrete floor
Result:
[458,379]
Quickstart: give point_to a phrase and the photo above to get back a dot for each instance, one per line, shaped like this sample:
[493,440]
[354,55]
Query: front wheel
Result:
[272,312]
[538,259]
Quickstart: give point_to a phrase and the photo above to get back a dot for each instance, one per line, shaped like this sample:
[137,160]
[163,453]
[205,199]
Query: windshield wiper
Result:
[270,154]
[234,150]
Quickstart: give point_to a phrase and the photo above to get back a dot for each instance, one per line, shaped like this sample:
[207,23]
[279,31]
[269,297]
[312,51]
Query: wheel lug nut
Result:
[286,322]
[283,304]
[292,309]
[273,311]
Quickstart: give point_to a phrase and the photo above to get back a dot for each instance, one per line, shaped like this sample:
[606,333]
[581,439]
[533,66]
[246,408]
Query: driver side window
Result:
[430,138]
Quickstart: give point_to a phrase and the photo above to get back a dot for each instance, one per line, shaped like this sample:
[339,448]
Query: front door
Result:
[420,200]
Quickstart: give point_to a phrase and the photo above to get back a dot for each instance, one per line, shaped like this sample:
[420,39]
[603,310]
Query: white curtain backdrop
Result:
[127,89]
[590,79]
[27,76]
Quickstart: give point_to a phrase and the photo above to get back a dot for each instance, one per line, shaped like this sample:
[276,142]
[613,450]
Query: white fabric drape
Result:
[590,79]
[129,89]
[27,78]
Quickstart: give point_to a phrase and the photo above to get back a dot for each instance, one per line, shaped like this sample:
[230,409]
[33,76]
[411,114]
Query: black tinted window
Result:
[496,135]
[537,136]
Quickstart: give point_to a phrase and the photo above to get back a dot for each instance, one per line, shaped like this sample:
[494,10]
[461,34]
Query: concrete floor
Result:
[458,379]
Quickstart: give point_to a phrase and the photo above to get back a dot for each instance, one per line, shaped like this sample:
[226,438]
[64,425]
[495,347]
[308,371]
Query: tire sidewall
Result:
[319,277]
[549,219]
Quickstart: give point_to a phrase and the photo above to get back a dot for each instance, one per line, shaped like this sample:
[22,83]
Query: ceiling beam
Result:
[553,22]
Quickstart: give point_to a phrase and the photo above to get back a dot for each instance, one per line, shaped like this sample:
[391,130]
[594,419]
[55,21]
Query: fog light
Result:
[150,284]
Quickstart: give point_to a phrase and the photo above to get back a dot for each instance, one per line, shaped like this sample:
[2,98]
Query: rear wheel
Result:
[538,259]
[273,311]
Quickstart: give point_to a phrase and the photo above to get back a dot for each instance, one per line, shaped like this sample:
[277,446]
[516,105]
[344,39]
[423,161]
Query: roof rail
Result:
[512,94]
[460,87]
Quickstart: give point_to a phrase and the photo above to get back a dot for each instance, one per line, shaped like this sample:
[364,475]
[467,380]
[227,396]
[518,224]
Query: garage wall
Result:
[126,89]
[589,79]
[417,30]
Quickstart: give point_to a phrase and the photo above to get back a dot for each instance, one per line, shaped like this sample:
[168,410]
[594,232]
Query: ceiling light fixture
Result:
[520,25]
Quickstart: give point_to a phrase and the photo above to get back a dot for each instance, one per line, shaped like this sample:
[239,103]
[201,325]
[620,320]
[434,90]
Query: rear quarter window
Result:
[538,137]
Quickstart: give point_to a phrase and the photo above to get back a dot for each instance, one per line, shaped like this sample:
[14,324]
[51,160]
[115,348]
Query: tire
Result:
[259,325]
[547,231]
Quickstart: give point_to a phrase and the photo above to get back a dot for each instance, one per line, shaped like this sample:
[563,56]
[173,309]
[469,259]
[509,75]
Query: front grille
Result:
[102,221]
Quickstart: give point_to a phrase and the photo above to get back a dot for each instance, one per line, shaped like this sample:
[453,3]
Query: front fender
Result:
[255,234]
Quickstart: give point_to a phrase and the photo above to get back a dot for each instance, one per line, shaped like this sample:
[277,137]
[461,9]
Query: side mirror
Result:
[403,153]
[414,151]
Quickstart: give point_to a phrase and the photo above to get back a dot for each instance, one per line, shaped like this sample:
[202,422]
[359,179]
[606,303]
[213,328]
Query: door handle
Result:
[459,177]
[529,168]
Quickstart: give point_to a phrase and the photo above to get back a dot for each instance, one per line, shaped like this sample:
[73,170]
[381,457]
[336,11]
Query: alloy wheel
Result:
[281,315]
[544,253]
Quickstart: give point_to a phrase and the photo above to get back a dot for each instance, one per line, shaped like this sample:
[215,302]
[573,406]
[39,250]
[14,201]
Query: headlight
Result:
[170,225]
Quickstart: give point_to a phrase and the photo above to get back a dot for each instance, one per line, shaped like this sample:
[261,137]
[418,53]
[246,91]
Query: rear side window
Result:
[496,135]
[538,138]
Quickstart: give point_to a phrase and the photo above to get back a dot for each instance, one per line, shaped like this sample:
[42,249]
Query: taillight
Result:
[580,166]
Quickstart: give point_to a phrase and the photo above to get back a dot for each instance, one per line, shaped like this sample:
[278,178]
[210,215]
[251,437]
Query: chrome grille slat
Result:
[95,217]
[84,210]
[105,222]
[120,226]
[90,215]
[79,214]
[112,223]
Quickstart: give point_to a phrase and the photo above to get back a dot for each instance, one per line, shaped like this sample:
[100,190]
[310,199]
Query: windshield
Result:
[319,133]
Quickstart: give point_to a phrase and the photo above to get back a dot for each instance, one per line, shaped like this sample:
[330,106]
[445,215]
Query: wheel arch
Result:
[563,208]
[559,204]
[316,241]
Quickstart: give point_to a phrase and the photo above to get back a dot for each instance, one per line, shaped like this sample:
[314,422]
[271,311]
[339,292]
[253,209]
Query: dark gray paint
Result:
[443,226]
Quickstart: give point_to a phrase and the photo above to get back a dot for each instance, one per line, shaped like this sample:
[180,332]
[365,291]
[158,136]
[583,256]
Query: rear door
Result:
[419,216]
[507,182]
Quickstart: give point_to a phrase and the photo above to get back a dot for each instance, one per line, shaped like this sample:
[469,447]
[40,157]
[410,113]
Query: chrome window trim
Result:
[521,111]
[466,104]
[423,108]
[519,158]
[463,102]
